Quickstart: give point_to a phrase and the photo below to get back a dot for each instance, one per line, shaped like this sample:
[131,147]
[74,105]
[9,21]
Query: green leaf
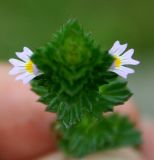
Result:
[91,135]
[115,92]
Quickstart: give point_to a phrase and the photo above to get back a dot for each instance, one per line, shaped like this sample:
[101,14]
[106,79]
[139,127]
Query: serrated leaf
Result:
[91,135]
[115,92]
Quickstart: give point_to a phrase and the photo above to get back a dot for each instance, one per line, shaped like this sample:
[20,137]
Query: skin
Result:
[25,128]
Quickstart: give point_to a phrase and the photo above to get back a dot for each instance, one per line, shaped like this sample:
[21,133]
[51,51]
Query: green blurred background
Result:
[31,23]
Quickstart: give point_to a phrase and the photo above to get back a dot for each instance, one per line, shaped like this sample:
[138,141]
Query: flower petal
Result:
[121,49]
[16,70]
[126,69]
[28,79]
[127,54]
[114,47]
[22,56]
[119,72]
[130,62]
[22,76]
[16,62]
[117,48]
[36,72]
[27,51]
[122,71]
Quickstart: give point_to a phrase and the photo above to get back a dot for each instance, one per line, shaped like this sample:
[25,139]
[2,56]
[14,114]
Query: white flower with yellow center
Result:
[25,67]
[122,58]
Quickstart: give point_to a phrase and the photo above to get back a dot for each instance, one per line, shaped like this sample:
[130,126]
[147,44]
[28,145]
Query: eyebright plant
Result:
[80,82]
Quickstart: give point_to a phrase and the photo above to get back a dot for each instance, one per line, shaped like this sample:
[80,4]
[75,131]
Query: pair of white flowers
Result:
[27,70]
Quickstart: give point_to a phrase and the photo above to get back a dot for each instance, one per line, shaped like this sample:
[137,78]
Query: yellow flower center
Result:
[117,61]
[29,66]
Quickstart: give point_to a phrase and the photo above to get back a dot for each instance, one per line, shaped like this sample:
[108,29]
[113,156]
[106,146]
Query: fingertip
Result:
[147,147]
[129,109]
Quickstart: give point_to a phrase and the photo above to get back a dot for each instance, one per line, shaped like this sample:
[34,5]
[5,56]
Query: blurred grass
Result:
[32,22]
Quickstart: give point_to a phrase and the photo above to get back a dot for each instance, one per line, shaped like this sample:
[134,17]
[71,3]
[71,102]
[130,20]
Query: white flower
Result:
[25,67]
[122,58]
